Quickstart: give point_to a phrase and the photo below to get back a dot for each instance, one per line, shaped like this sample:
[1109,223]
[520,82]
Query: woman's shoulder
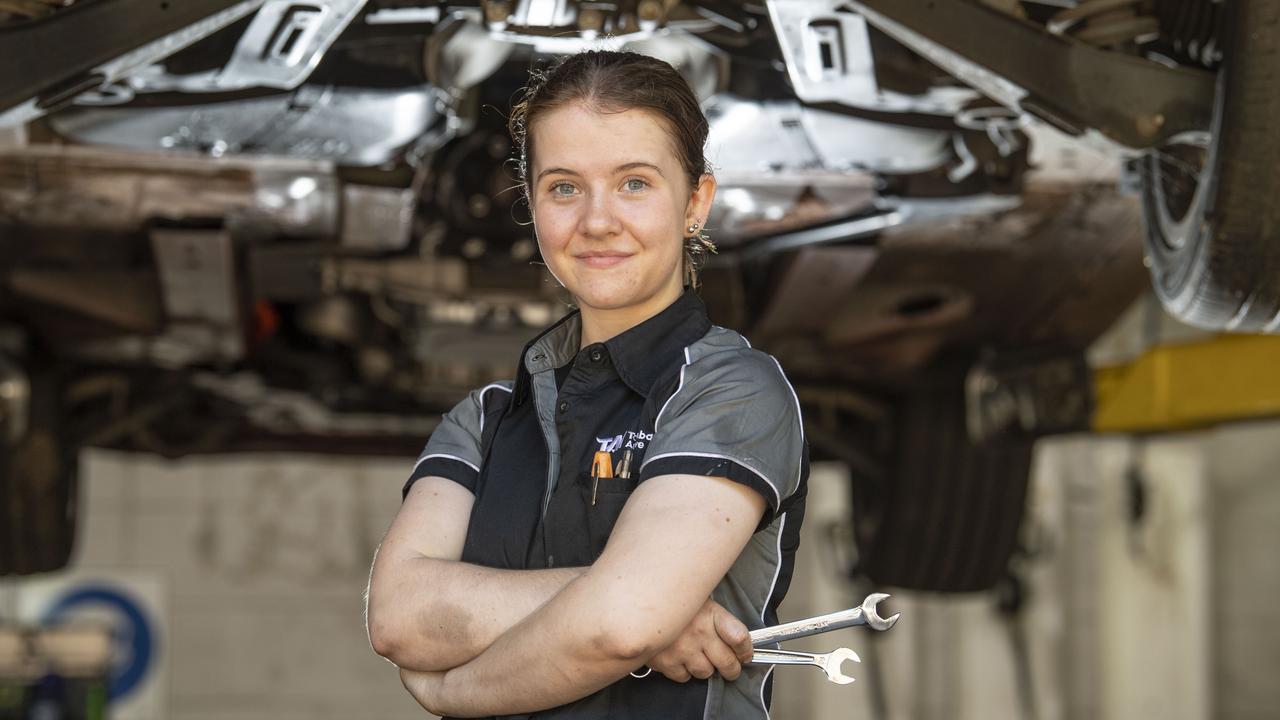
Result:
[723,350]
[724,358]
[483,398]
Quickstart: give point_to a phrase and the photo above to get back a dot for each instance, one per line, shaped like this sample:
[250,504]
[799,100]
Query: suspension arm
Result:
[1074,86]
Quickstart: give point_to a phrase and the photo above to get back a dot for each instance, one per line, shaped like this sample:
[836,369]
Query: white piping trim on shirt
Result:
[782,526]
[777,570]
[776,498]
[799,416]
[425,458]
[687,362]
[765,707]
[484,390]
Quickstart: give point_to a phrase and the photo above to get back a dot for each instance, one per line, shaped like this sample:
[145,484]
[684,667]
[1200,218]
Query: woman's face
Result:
[610,202]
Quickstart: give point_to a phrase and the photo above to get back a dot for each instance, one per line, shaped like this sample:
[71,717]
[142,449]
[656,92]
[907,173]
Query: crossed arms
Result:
[475,641]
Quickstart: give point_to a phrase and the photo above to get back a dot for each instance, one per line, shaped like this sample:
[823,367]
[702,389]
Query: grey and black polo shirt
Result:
[685,397]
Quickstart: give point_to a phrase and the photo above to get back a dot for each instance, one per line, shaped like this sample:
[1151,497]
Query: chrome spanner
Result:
[864,614]
[829,662]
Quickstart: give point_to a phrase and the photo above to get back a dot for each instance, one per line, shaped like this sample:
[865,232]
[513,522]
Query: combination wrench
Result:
[864,614]
[829,662]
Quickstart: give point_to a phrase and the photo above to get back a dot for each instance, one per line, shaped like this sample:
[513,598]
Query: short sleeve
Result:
[733,415]
[453,450]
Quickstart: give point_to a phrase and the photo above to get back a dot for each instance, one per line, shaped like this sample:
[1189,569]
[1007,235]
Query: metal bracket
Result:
[1071,85]
[285,42]
[828,55]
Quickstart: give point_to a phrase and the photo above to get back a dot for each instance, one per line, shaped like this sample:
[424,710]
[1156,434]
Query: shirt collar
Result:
[551,348]
[643,353]
[640,354]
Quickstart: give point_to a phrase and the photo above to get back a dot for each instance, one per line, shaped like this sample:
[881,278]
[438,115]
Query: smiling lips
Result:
[602,260]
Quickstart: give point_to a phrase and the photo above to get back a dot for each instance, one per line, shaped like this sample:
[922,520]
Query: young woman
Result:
[633,499]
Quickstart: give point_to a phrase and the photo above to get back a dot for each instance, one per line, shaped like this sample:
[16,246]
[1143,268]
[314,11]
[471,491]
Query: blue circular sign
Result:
[132,636]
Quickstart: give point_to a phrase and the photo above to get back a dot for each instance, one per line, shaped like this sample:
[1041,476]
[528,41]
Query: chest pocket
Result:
[577,529]
[582,513]
[602,500]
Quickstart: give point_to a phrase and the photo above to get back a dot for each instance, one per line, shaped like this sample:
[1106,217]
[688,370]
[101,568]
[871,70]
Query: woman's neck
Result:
[599,325]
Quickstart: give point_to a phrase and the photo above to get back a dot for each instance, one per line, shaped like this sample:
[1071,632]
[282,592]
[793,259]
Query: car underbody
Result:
[261,225]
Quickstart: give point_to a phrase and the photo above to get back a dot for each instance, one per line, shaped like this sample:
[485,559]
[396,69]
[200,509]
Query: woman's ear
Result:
[702,197]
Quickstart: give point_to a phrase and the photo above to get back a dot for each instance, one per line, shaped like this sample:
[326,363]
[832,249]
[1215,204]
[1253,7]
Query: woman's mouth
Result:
[602,261]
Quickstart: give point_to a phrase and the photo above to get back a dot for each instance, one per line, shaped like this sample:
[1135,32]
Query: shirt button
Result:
[596,356]
[564,406]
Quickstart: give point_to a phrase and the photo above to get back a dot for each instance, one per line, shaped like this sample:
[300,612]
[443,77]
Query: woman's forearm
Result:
[563,651]
[428,614]
[676,538]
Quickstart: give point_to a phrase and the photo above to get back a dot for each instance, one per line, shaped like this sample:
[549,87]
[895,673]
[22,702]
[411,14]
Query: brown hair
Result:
[609,81]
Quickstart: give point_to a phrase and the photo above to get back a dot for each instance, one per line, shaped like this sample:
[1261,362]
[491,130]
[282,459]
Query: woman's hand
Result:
[714,641]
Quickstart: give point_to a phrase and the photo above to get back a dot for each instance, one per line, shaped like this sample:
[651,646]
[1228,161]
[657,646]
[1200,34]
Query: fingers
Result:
[671,668]
[670,663]
[725,661]
[684,664]
[714,641]
[677,673]
[734,634]
[700,666]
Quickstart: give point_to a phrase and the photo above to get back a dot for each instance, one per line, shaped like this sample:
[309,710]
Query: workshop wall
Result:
[1150,582]
[1119,613]
[263,561]
[1241,606]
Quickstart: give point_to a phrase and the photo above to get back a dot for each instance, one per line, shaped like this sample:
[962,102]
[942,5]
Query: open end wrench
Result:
[829,662]
[864,614]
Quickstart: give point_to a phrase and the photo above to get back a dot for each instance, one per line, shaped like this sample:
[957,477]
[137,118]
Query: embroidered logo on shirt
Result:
[631,439]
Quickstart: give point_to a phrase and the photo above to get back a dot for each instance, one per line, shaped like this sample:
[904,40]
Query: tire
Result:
[38,487]
[1209,199]
[947,516]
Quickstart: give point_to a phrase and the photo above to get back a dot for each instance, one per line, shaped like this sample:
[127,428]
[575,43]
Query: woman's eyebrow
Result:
[620,168]
[634,165]
[555,171]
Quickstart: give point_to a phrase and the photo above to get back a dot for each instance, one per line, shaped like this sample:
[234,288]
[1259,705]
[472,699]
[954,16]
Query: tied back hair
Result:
[609,81]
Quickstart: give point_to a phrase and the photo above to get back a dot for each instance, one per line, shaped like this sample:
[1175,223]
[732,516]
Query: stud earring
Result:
[693,229]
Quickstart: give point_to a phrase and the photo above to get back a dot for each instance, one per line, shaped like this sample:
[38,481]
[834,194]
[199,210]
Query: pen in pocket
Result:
[601,467]
[624,467]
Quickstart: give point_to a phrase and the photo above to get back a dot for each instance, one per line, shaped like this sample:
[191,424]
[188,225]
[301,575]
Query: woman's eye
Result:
[562,189]
[636,184]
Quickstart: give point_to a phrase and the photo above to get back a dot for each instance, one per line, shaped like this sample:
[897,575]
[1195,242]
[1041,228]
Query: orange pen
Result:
[601,467]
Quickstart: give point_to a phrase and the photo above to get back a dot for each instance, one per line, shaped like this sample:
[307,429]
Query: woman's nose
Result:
[599,219]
